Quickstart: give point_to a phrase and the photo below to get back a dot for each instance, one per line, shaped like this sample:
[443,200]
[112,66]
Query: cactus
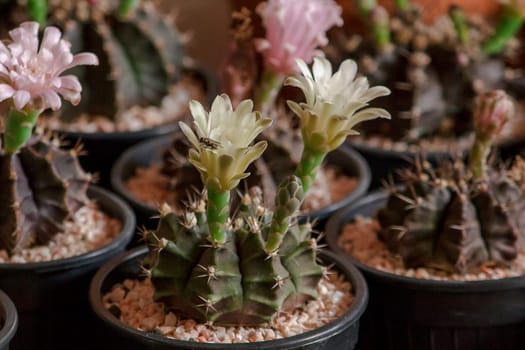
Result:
[140,52]
[246,267]
[42,185]
[456,217]
[435,70]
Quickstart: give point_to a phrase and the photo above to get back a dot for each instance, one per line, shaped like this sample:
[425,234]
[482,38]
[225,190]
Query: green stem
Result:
[38,11]
[402,5]
[478,157]
[460,23]
[308,167]
[365,6]
[126,6]
[18,128]
[217,212]
[380,22]
[506,29]
[267,92]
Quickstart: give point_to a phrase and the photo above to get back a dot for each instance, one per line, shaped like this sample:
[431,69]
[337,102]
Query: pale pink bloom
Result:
[30,74]
[294,29]
[492,110]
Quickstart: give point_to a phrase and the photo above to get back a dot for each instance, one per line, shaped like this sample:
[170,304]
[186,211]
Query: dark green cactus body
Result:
[241,281]
[42,185]
[140,56]
[455,222]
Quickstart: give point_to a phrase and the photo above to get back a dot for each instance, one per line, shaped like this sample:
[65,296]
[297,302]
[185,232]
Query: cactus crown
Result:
[457,217]
[246,267]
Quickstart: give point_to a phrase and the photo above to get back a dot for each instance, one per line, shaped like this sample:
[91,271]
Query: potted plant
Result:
[142,85]
[444,258]
[158,171]
[214,266]
[8,321]
[435,72]
[56,228]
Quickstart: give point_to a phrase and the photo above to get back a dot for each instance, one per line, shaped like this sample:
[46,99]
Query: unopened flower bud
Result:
[492,110]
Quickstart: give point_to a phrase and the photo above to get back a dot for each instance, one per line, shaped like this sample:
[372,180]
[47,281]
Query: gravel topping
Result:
[87,230]
[151,186]
[132,301]
[360,240]
[425,144]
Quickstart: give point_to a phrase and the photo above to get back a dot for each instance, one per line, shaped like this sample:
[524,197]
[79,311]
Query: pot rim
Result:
[124,236]
[352,315]
[363,176]
[11,320]
[342,217]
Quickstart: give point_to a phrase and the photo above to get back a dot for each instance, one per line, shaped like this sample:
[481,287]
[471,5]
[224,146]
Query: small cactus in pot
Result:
[459,217]
[435,70]
[140,51]
[41,184]
[242,268]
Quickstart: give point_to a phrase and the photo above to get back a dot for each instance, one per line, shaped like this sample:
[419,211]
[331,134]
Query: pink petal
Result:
[52,100]
[21,98]
[51,38]
[6,92]
[70,82]
[85,58]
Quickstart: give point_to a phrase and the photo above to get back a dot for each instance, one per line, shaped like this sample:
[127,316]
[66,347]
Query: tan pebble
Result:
[189,325]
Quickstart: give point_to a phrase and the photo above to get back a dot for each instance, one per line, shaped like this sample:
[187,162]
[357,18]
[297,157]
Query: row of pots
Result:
[403,313]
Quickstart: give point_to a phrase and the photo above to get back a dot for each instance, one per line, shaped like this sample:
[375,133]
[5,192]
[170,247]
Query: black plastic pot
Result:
[150,152]
[103,149]
[8,321]
[51,297]
[340,334]
[384,163]
[408,313]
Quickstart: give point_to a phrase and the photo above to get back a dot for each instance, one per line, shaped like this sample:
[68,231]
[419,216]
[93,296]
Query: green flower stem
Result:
[478,157]
[506,29]
[380,22]
[18,128]
[217,212]
[126,6]
[365,6]
[308,167]
[38,11]
[402,5]
[269,88]
[460,23]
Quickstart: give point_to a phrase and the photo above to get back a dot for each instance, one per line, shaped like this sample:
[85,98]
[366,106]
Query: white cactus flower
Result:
[335,104]
[222,141]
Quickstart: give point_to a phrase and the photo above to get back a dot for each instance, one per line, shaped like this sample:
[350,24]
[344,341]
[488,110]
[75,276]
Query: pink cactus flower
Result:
[492,110]
[294,29]
[30,74]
